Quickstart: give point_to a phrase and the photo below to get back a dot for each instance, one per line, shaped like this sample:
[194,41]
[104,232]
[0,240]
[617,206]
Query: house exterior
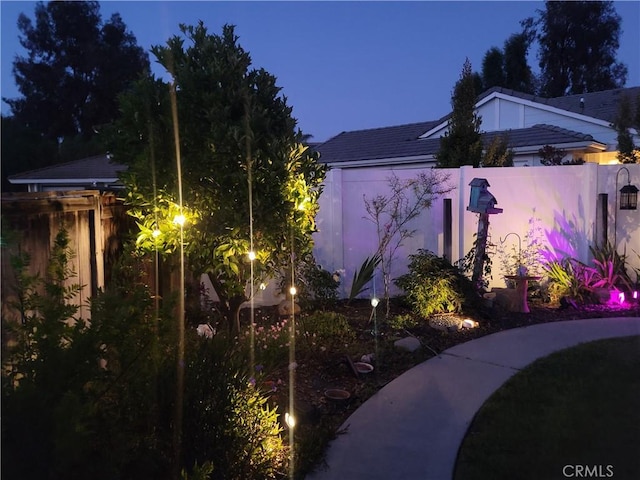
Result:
[578,124]
[560,211]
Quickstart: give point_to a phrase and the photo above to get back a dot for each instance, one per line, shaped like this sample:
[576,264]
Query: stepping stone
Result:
[411,344]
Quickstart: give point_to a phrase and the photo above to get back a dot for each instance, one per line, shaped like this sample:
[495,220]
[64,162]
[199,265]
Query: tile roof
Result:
[98,168]
[601,105]
[403,141]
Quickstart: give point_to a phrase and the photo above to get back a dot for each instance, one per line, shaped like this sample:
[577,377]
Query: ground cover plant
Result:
[575,407]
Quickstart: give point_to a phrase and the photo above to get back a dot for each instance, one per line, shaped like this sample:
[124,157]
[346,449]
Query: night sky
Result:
[343,65]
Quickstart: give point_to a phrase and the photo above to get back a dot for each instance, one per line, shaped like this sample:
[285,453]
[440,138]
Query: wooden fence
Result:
[31,222]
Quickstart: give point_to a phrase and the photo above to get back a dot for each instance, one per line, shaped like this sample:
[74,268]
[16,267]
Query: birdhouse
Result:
[482,201]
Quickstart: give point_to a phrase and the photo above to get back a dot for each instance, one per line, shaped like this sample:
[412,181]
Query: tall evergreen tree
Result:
[462,144]
[75,67]
[493,69]
[578,43]
[517,73]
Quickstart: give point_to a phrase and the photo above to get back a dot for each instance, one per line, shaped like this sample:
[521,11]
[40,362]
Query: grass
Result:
[575,407]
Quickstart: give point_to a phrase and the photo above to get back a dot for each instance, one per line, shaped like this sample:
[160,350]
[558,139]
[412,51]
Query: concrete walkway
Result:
[412,428]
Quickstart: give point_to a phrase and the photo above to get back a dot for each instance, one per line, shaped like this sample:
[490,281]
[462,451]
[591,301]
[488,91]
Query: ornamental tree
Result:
[243,168]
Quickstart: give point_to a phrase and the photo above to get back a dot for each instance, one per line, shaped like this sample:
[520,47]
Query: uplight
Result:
[156,233]
[293,290]
[374,302]
[252,256]
[621,297]
[263,286]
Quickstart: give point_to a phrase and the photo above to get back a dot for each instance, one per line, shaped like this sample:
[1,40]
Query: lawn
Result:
[571,414]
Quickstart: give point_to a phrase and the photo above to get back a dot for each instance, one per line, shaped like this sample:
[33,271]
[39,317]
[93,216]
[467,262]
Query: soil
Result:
[319,417]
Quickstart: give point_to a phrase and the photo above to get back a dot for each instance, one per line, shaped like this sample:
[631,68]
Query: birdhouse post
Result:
[483,202]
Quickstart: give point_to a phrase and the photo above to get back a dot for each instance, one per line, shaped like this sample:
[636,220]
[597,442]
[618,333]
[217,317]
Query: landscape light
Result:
[374,302]
[156,233]
[179,220]
[252,256]
[621,297]
[293,291]
[289,420]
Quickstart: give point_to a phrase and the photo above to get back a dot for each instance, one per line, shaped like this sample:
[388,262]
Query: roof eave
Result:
[377,162]
[589,147]
[62,181]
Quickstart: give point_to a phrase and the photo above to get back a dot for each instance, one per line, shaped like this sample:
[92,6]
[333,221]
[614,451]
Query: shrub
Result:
[402,322]
[434,286]
[98,399]
[324,331]
[228,422]
[316,287]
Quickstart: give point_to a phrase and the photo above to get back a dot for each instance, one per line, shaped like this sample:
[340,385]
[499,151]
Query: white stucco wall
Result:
[561,201]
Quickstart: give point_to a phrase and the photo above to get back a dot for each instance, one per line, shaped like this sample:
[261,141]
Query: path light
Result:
[290,420]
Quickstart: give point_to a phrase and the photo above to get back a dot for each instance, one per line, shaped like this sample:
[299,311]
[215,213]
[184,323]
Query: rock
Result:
[446,323]
[411,344]
[284,308]
[507,299]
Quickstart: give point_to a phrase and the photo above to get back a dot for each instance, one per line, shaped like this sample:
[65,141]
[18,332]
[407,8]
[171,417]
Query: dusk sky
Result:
[342,65]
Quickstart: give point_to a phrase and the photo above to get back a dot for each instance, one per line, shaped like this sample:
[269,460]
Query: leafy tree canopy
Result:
[508,67]
[578,43]
[239,149]
[462,144]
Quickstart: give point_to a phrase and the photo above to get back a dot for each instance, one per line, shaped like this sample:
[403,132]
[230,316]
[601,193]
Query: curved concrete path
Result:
[412,428]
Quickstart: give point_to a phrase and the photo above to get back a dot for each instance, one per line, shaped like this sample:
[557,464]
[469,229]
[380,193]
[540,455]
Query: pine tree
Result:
[75,67]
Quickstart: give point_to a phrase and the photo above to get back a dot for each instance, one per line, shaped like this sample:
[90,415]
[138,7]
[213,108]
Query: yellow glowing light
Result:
[252,256]
[293,290]
[179,220]
[156,233]
[289,420]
